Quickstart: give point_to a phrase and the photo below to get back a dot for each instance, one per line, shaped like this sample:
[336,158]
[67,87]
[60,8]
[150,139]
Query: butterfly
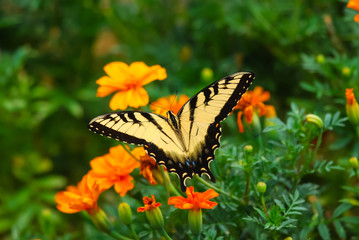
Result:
[184,143]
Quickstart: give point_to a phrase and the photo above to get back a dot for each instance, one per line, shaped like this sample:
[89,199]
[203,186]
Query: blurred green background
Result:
[52,52]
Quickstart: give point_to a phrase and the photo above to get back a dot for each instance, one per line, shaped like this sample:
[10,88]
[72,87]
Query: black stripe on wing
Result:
[202,165]
[103,125]
[242,87]
[245,81]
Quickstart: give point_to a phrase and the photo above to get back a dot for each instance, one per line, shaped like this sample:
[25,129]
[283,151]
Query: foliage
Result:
[303,52]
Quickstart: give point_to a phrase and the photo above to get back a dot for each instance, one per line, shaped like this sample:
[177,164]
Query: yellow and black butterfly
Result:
[185,143]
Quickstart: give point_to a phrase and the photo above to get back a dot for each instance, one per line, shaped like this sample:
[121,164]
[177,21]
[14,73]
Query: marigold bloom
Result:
[81,197]
[253,101]
[128,82]
[164,104]
[149,168]
[352,107]
[194,200]
[354,4]
[150,203]
[113,169]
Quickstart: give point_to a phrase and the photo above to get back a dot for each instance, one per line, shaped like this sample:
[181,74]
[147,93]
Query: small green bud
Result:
[312,118]
[248,148]
[99,218]
[195,221]
[155,218]
[354,162]
[261,187]
[288,238]
[125,213]
[346,71]
[207,74]
[320,58]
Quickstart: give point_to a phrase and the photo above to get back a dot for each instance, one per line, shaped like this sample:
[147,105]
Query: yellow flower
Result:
[164,104]
[354,4]
[128,81]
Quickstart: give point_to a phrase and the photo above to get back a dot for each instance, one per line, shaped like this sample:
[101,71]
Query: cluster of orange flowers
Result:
[115,167]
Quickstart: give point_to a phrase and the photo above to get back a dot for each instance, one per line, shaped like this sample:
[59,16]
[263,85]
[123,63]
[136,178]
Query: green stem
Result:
[319,141]
[116,235]
[264,205]
[217,189]
[168,184]
[129,151]
[247,188]
[164,234]
[134,232]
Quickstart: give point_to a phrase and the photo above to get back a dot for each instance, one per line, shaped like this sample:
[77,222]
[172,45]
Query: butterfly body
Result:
[185,143]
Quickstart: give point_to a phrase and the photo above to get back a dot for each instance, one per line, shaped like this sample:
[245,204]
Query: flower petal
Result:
[119,101]
[239,121]
[137,97]
[145,74]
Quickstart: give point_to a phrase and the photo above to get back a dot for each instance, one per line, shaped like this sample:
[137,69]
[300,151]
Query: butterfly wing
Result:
[200,118]
[149,130]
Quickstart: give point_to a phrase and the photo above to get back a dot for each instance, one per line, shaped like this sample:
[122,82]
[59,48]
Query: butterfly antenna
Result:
[174,98]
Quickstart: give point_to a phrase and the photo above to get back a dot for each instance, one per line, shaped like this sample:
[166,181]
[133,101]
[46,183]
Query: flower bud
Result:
[125,213]
[261,187]
[155,218]
[207,74]
[352,107]
[288,238]
[99,218]
[195,221]
[320,58]
[248,148]
[346,71]
[354,162]
[185,53]
[312,118]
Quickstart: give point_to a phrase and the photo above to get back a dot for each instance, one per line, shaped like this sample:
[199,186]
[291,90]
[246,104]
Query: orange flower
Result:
[150,203]
[354,4]
[113,169]
[253,101]
[194,200]
[149,167]
[128,82]
[164,104]
[81,197]
[352,107]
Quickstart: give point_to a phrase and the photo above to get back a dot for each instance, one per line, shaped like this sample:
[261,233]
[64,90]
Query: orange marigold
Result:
[150,203]
[253,101]
[128,82]
[149,168]
[194,200]
[352,107]
[113,169]
[354,4]
[81,197]
[164,104]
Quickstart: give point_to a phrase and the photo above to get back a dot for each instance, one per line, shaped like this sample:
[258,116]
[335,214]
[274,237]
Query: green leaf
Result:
[324,231]
[279,203]
[341,209]
[340,230]
[354,220]
[263,215]
[51,182]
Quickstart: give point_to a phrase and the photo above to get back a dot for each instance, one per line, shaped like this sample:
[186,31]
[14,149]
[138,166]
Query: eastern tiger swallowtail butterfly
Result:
[185,143]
